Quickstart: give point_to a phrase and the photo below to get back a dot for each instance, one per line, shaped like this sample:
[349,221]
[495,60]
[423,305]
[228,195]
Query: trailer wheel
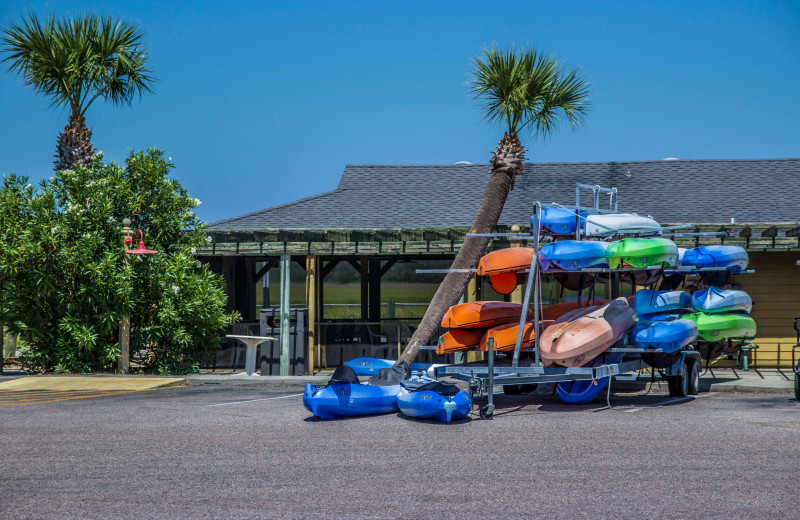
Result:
[487,411]
[679,385]
[512,389]
[797,386]
[693,376]
[526,389]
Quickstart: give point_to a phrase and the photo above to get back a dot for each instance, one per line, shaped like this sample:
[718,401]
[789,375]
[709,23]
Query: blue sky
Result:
[262,103]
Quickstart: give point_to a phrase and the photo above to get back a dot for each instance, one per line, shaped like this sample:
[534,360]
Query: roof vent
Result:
[670,159]
[462,163]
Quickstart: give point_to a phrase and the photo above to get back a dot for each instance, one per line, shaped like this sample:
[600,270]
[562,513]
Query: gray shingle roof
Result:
[378,196]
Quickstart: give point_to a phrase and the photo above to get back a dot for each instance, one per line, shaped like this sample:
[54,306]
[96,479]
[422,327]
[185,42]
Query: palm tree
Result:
[524,90]
[74,62]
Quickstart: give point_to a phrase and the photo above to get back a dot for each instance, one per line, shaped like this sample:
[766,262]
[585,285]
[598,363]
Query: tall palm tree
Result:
[74,62]
[523,90]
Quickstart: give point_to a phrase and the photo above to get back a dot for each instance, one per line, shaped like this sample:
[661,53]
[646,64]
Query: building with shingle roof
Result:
[379,214]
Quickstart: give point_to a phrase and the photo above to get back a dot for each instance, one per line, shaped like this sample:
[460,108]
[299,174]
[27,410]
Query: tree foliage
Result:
[65,279]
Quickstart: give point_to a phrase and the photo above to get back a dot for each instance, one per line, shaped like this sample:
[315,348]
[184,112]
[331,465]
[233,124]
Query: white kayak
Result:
[621,224]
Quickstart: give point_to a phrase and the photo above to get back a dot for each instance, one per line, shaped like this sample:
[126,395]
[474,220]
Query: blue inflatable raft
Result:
[667,335]
[586,390]
[440,401]
[716,300]
[572,255]
[733,257]
[560,221]
[652,302]
[345,396]
[370,366]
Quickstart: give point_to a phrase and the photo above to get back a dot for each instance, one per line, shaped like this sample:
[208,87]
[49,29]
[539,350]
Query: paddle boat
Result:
[651,302]
[642,252]
[585,391]
[715,300]
[433,399]
[734,258]
[345,396]
[612,224]
[576,342]
[573,255]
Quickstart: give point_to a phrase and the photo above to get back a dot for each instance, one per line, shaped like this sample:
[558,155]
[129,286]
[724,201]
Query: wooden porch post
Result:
[312,266]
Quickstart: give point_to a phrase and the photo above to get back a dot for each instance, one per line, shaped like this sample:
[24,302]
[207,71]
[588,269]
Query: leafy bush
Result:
[65,280]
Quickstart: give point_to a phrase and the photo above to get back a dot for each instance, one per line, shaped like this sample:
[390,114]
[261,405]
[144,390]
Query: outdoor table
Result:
[250,357]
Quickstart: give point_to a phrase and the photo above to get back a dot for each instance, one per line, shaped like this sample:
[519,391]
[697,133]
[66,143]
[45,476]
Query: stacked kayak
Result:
[345,396]
[561,221]
[457,340]
[482,314]
[719,327]
[505,336]
[620,224]
[586,390]
[716,300]
[502,266]
[731,257]
[573,255]
[642,252]
[668,335]
[432,399]
[588,333]
[655,302]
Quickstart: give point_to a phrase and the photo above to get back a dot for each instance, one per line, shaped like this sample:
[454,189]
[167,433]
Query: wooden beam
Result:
[328,268]
[268,264]
[388,265]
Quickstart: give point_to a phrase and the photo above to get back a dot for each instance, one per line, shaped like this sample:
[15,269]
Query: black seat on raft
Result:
[344,374]
[391,376]
[443,389]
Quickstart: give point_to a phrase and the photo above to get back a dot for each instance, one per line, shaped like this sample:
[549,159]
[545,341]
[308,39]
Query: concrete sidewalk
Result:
[714,380]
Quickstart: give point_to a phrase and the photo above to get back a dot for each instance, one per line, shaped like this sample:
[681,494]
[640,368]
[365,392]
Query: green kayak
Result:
[642,252]
[718,327]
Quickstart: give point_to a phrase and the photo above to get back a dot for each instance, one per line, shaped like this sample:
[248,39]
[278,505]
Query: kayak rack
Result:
[483,377]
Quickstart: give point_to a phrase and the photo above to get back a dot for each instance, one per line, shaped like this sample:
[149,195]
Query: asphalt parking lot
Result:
[255,452]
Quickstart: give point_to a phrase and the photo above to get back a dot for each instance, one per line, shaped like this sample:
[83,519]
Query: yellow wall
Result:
[775,290]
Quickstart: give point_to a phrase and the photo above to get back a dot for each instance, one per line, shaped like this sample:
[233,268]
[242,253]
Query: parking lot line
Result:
[254,400]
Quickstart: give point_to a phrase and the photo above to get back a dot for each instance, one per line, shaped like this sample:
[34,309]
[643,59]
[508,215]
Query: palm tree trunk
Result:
[74,144]
[506,164]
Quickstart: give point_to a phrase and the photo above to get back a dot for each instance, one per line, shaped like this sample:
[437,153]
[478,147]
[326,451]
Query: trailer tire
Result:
[487,411]
[797,386]
[693,375]
[512,389]
[679,385]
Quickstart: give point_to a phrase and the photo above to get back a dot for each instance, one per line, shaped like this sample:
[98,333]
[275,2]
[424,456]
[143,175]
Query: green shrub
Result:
[65,279]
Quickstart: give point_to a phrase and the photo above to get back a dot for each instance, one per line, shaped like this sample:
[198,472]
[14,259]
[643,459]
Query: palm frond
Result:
[74,61]
[523,87]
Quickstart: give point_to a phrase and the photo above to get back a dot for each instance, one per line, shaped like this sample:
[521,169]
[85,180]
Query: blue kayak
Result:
[650,302]
[345,396]
[573,255]
[667,335]
[440,401]
[369,366]
[663,317]
[586,390]
[561,221]
[716,300]
[733,257]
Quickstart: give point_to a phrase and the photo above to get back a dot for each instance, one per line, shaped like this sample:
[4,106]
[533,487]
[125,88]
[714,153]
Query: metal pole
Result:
[285,339]
[527,297]
[311,301]
[123,363]
[490,390]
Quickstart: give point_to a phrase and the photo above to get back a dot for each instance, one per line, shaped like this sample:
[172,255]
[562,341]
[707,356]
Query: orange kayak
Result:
[507,260]
[578,340]
[505,336]
[484,315]
[456,340]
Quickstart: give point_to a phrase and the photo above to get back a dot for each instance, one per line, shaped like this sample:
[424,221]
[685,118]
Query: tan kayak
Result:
[505,336]
[578,340]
